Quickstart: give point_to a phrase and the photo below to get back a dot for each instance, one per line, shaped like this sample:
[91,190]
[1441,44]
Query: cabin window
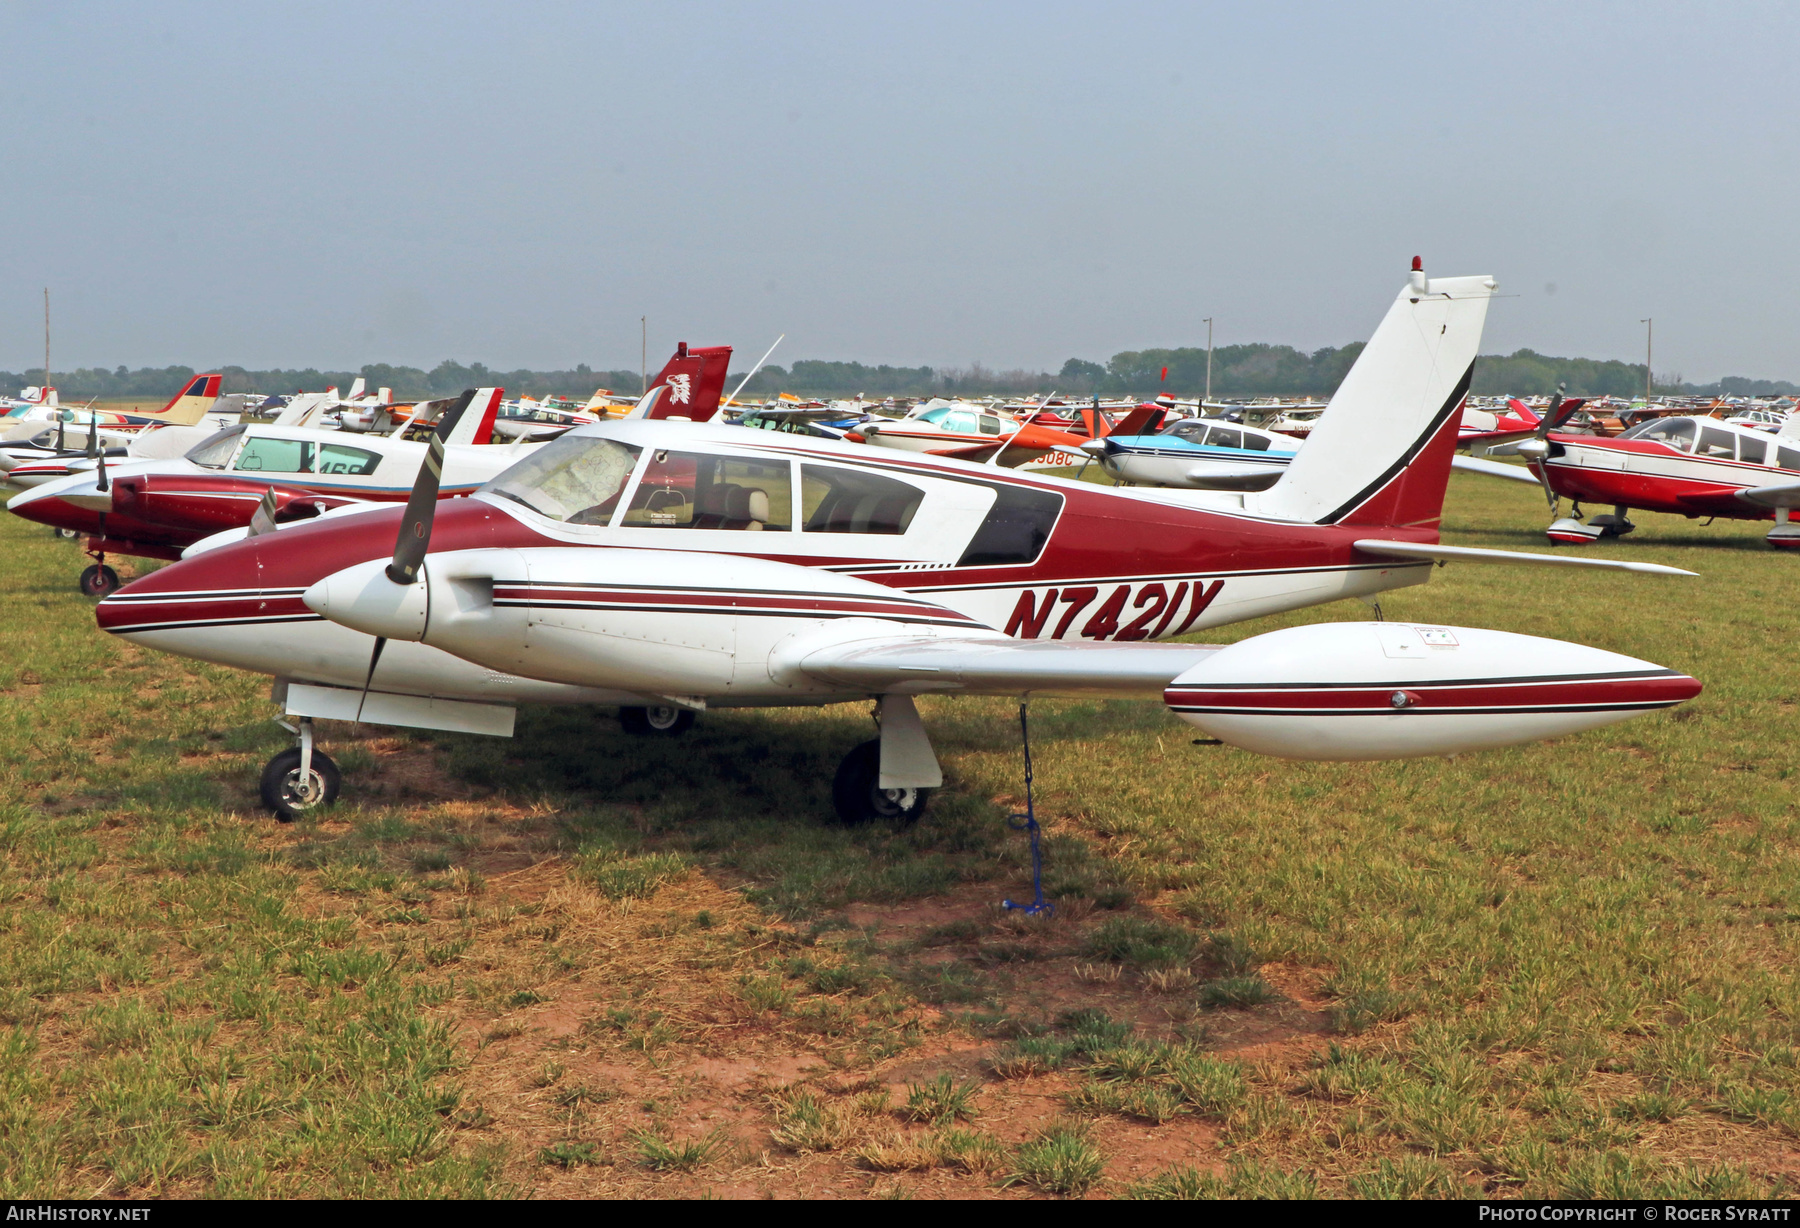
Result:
[263,454]
[215,452]
[1788,458]
[834,500]
[689,490]
[576,479]
[1752,450]
[1255,443]
[1015,529]
[352,462]
[1677,433]
[1716,443]
[1192,432]
[1220,437]
[990,425]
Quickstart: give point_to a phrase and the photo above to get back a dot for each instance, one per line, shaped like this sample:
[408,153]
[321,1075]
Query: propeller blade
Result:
[421,507]
[374,660]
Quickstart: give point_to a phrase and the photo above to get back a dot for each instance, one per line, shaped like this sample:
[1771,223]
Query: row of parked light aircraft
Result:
[668,564]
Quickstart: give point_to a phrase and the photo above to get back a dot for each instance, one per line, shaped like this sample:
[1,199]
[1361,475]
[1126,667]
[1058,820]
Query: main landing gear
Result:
[301,779]
[889,778]
[1570,531]
[664,720]
[1786,534]
[857,795]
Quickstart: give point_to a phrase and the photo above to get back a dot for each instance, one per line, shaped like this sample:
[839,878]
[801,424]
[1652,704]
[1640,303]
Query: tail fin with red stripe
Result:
[1380,453]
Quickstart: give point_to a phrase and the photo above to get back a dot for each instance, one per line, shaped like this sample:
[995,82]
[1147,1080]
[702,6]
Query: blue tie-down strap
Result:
[1026,821]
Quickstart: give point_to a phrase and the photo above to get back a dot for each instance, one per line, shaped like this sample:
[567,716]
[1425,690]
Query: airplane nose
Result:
[364,599]
[1093,447]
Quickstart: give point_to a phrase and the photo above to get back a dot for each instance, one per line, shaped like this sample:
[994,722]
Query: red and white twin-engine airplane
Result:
[1690,467]
[668,568]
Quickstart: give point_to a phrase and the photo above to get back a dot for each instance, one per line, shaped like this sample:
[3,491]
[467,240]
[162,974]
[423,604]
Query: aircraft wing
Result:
[996,666]
[1785,495]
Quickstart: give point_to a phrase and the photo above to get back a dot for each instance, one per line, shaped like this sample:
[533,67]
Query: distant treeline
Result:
[1238,371]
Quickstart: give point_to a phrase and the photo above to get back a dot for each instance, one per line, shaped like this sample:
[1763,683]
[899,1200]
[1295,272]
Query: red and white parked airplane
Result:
[670,568]
[1689,467]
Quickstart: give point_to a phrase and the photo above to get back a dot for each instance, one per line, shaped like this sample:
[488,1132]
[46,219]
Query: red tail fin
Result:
[696,380]
[1141,421]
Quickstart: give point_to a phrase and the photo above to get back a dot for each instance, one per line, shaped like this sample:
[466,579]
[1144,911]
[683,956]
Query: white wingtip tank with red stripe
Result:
[1403,690]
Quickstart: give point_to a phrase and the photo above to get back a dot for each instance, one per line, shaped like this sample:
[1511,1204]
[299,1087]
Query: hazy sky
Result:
[333,184]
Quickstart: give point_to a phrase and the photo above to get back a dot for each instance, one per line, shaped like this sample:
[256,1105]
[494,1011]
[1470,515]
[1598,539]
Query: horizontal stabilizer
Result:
[1469,554]
[1004,666]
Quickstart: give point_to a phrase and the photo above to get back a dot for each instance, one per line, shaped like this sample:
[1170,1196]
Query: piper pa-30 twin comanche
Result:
[668,568]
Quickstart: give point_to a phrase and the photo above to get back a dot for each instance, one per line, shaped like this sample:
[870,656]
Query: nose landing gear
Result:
[301,779]
[99,581]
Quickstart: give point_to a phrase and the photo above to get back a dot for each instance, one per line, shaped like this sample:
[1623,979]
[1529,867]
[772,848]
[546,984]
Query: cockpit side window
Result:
[576,479]
[215,452]
[691,490]
[1222,437]
[264,454]
[834,500]
[1677,433]
[1192,432]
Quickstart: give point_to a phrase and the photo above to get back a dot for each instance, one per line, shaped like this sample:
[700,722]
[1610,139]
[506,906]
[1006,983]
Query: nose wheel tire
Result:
[283,792]
[857,796]
[665,720]
[99,581]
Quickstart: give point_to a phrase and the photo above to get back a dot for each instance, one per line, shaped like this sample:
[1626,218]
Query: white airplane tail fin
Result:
[1380,454]
[477,423]
[356,389]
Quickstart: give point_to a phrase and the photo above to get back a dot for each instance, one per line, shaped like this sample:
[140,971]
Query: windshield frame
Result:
[213,439]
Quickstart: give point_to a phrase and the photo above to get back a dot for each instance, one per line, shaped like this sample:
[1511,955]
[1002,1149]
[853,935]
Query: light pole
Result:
[1649,338]
[644,353]
[1208,396]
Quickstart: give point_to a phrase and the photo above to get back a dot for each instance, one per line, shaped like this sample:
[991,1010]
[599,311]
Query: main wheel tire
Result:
[665,721]
[281,791]
[67,535]
[99,581]
[857,797]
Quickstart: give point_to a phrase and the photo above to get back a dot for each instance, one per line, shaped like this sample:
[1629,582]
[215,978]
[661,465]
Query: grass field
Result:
[578,963]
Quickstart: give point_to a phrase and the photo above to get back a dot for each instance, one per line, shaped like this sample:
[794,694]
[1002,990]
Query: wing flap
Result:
[996,666]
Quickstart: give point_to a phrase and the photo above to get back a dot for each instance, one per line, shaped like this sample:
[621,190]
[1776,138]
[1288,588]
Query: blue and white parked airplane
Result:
[1211,454]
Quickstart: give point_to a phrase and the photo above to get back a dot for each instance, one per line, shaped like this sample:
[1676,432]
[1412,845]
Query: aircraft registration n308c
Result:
[673,567]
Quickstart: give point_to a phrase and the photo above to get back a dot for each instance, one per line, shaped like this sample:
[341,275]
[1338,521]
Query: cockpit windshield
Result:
[576,479]
[1677,433]
[215,452]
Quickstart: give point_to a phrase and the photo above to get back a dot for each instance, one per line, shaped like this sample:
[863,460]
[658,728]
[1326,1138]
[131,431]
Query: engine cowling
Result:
[1404,690]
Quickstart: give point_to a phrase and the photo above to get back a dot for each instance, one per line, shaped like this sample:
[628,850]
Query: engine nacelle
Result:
[1403,690]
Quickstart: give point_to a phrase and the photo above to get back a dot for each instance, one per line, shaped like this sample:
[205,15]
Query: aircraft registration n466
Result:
[671,567]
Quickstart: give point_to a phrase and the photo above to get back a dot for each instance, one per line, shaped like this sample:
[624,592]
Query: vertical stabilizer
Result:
[1380,453]
[477,422]
[186,407]
[695,377]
